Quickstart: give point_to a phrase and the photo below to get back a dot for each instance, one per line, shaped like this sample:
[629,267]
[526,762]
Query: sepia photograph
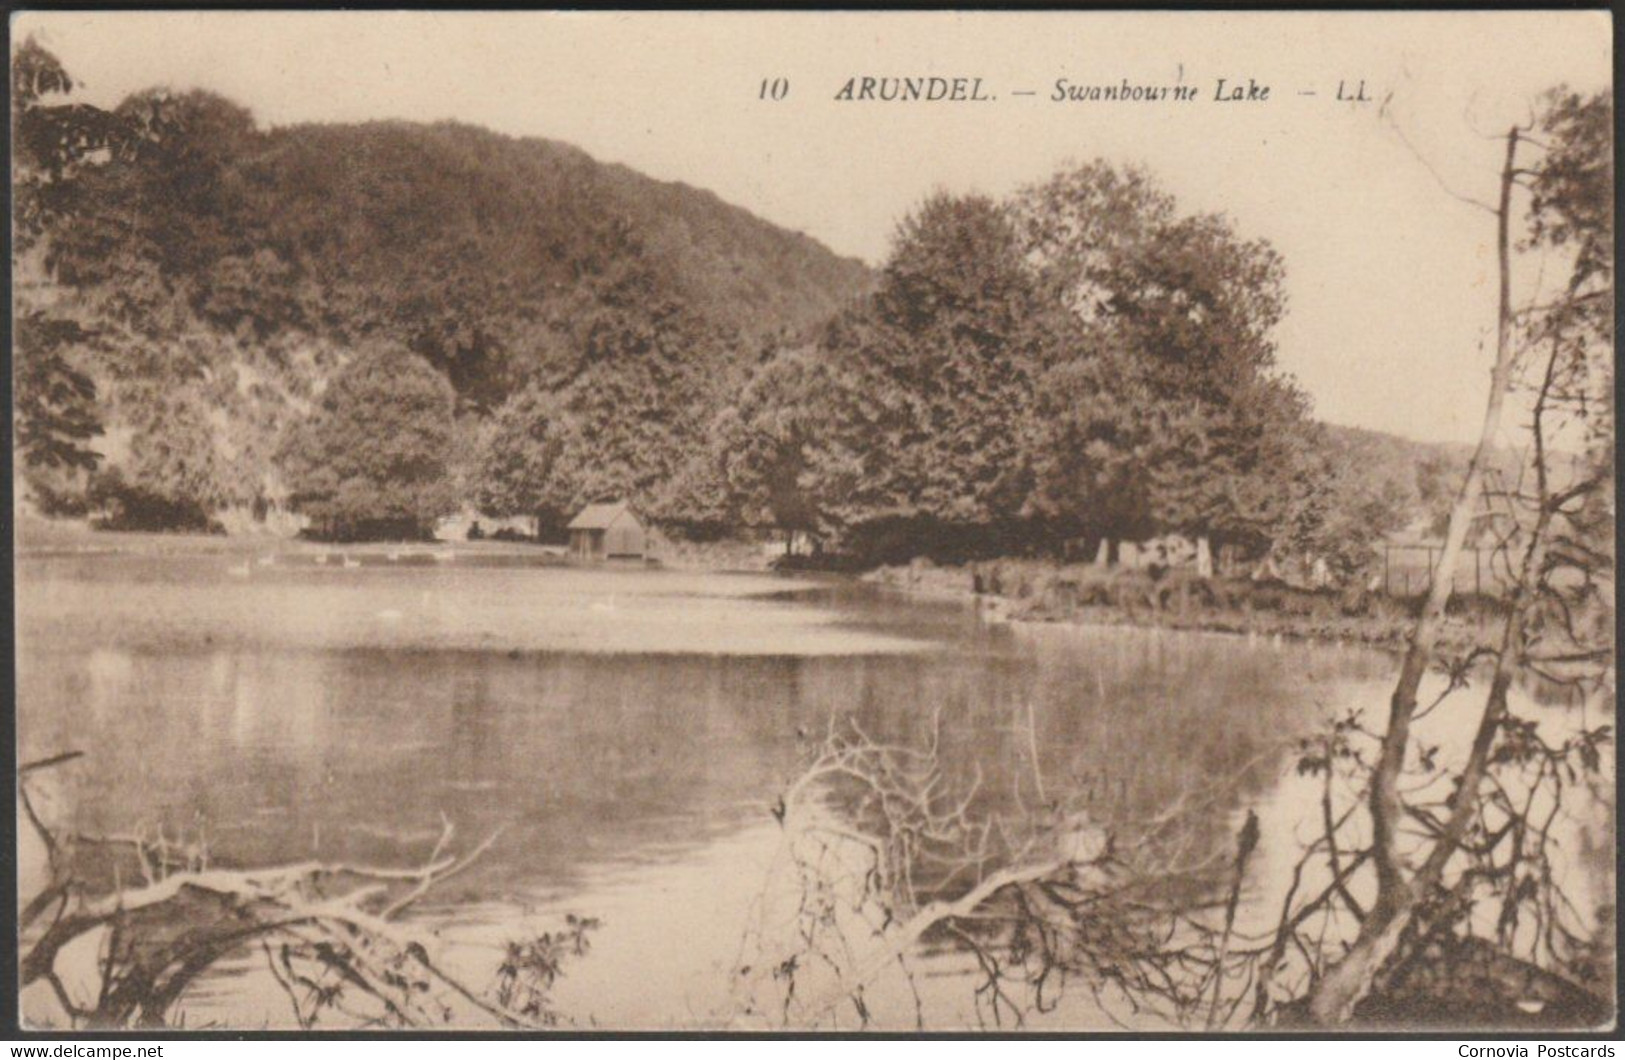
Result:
[774,523]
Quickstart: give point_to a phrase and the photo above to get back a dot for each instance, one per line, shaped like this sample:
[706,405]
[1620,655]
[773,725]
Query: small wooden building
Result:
[608,531]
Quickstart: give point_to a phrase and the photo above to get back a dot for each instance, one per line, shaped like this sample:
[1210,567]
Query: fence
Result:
[1407,570]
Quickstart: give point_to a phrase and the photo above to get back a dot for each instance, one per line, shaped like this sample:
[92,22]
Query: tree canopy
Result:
[1083,360]
[374,459]
[185,248]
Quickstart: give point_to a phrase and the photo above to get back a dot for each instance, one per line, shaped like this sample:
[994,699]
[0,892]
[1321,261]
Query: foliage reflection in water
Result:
[638,790]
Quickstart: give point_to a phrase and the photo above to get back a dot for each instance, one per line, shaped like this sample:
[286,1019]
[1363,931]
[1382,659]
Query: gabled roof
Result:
[600,516]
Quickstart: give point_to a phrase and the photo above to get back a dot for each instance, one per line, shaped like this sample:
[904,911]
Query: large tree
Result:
[175,475]
[374,457]
[1082,362]
[620,411]
[1557,616]
[1165,411]
[56,146]
[768,440]
[929,379]
[764,457]
[1095,432]
[515,470]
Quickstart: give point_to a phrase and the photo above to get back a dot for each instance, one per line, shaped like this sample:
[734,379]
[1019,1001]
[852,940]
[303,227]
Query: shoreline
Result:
[38,538]
[1038,592]
[1029,591]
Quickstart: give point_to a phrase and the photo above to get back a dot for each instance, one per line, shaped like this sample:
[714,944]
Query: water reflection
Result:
[291,720]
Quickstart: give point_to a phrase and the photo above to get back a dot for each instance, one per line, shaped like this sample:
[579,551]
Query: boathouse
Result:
[608,531]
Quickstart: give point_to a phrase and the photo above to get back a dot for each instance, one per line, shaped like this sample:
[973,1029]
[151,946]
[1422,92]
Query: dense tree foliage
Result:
[933,375]
[186,249]
[767,441]
[619,417]
[56,414]
[1082,361]
[374,459]
[174,474]
[1079,363]
[517,455]
[1170,411]
[1572,333]
[1571,215]
[54,396]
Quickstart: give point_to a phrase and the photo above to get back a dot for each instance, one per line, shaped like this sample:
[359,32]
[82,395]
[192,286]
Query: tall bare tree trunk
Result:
[1350,980]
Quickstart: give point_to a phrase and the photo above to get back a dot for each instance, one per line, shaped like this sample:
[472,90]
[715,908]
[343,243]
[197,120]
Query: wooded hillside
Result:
[211,311]
[218,274]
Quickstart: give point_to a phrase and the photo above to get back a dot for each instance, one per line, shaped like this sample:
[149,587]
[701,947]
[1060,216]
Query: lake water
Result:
[629,732]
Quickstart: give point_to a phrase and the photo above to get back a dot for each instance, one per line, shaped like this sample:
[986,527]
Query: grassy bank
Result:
[36,536]
[1047,591]
[1014,589]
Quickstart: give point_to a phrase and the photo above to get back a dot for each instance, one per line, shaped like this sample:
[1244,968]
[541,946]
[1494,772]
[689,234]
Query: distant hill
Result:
[482,252]
[382,203]
[1423,477]
[1398,451]
[759,277]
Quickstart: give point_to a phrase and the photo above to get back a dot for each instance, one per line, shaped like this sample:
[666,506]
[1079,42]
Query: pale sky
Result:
[1390,280]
